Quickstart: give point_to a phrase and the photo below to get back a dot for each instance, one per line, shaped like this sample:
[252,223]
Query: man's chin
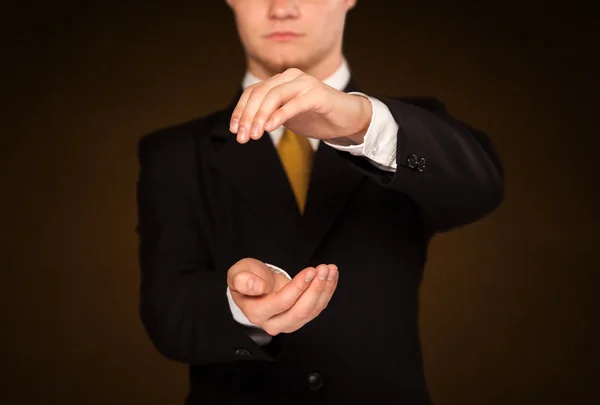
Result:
[281,65]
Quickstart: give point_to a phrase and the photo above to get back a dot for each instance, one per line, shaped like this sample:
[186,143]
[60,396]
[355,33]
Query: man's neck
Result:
[320,71]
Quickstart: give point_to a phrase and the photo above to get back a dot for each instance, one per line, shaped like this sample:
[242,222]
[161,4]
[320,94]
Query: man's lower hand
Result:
[275,303]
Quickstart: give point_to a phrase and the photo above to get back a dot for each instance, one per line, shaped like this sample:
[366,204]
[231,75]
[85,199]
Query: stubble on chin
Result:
[281,64]
[276,67]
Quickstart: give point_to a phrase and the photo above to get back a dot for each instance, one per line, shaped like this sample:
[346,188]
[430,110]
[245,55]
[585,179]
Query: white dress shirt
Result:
[379,148]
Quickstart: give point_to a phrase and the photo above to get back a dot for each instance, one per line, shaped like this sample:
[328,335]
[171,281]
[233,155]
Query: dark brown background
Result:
[508,304]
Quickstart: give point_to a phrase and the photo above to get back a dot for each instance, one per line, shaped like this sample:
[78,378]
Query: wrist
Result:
[366,115]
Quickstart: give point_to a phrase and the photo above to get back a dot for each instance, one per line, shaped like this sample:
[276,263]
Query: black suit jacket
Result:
[206,201]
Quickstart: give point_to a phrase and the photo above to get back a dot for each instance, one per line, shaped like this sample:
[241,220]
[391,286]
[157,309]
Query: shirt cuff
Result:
[276,269]
[237,313]
[380,140]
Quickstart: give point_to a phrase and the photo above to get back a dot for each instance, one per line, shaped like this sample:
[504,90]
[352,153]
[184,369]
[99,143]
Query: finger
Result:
[239,108]
[325,297]
[287,296]
[254,101]
[247,283]
[304,308]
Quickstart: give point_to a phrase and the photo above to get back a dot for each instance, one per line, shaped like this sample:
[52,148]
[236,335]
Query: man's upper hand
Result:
[303,104]
[275,303]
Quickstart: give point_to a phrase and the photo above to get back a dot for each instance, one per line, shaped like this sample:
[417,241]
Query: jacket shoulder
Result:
[429,103]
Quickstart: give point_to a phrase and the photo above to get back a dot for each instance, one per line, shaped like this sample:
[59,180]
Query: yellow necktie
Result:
[296,156]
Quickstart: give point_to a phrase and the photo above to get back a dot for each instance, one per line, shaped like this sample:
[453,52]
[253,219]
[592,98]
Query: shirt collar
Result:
[338,80]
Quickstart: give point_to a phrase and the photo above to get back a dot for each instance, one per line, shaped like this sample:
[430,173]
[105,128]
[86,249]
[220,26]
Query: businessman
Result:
[283,238]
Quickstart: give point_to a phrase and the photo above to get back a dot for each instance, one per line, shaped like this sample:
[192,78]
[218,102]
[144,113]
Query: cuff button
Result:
[412,161]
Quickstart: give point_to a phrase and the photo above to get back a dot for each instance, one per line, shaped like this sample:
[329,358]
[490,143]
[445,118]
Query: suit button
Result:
[243,352]
[422,165]
[315,381]
[412,161]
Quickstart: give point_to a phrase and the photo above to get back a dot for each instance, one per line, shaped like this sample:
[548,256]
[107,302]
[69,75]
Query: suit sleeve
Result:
[183,304]
[451,171]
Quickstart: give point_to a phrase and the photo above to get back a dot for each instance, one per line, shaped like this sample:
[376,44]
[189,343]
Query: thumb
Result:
[248,283]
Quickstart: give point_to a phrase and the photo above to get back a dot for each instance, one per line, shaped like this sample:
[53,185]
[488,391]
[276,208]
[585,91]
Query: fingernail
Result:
[234,125]
[331,274]
[323,272]
[269,125]
[254,131]
[250,284]
[242,134]
[310,275]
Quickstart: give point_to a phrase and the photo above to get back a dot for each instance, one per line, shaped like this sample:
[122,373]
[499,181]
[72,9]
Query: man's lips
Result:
[283,35]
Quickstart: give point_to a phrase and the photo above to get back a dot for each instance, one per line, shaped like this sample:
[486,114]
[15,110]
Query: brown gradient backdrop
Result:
[507,303]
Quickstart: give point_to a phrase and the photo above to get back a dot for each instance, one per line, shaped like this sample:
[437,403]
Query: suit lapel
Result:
[332,183]
[256,173]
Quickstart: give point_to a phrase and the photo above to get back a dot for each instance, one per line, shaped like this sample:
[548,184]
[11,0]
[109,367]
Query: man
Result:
[276,292]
